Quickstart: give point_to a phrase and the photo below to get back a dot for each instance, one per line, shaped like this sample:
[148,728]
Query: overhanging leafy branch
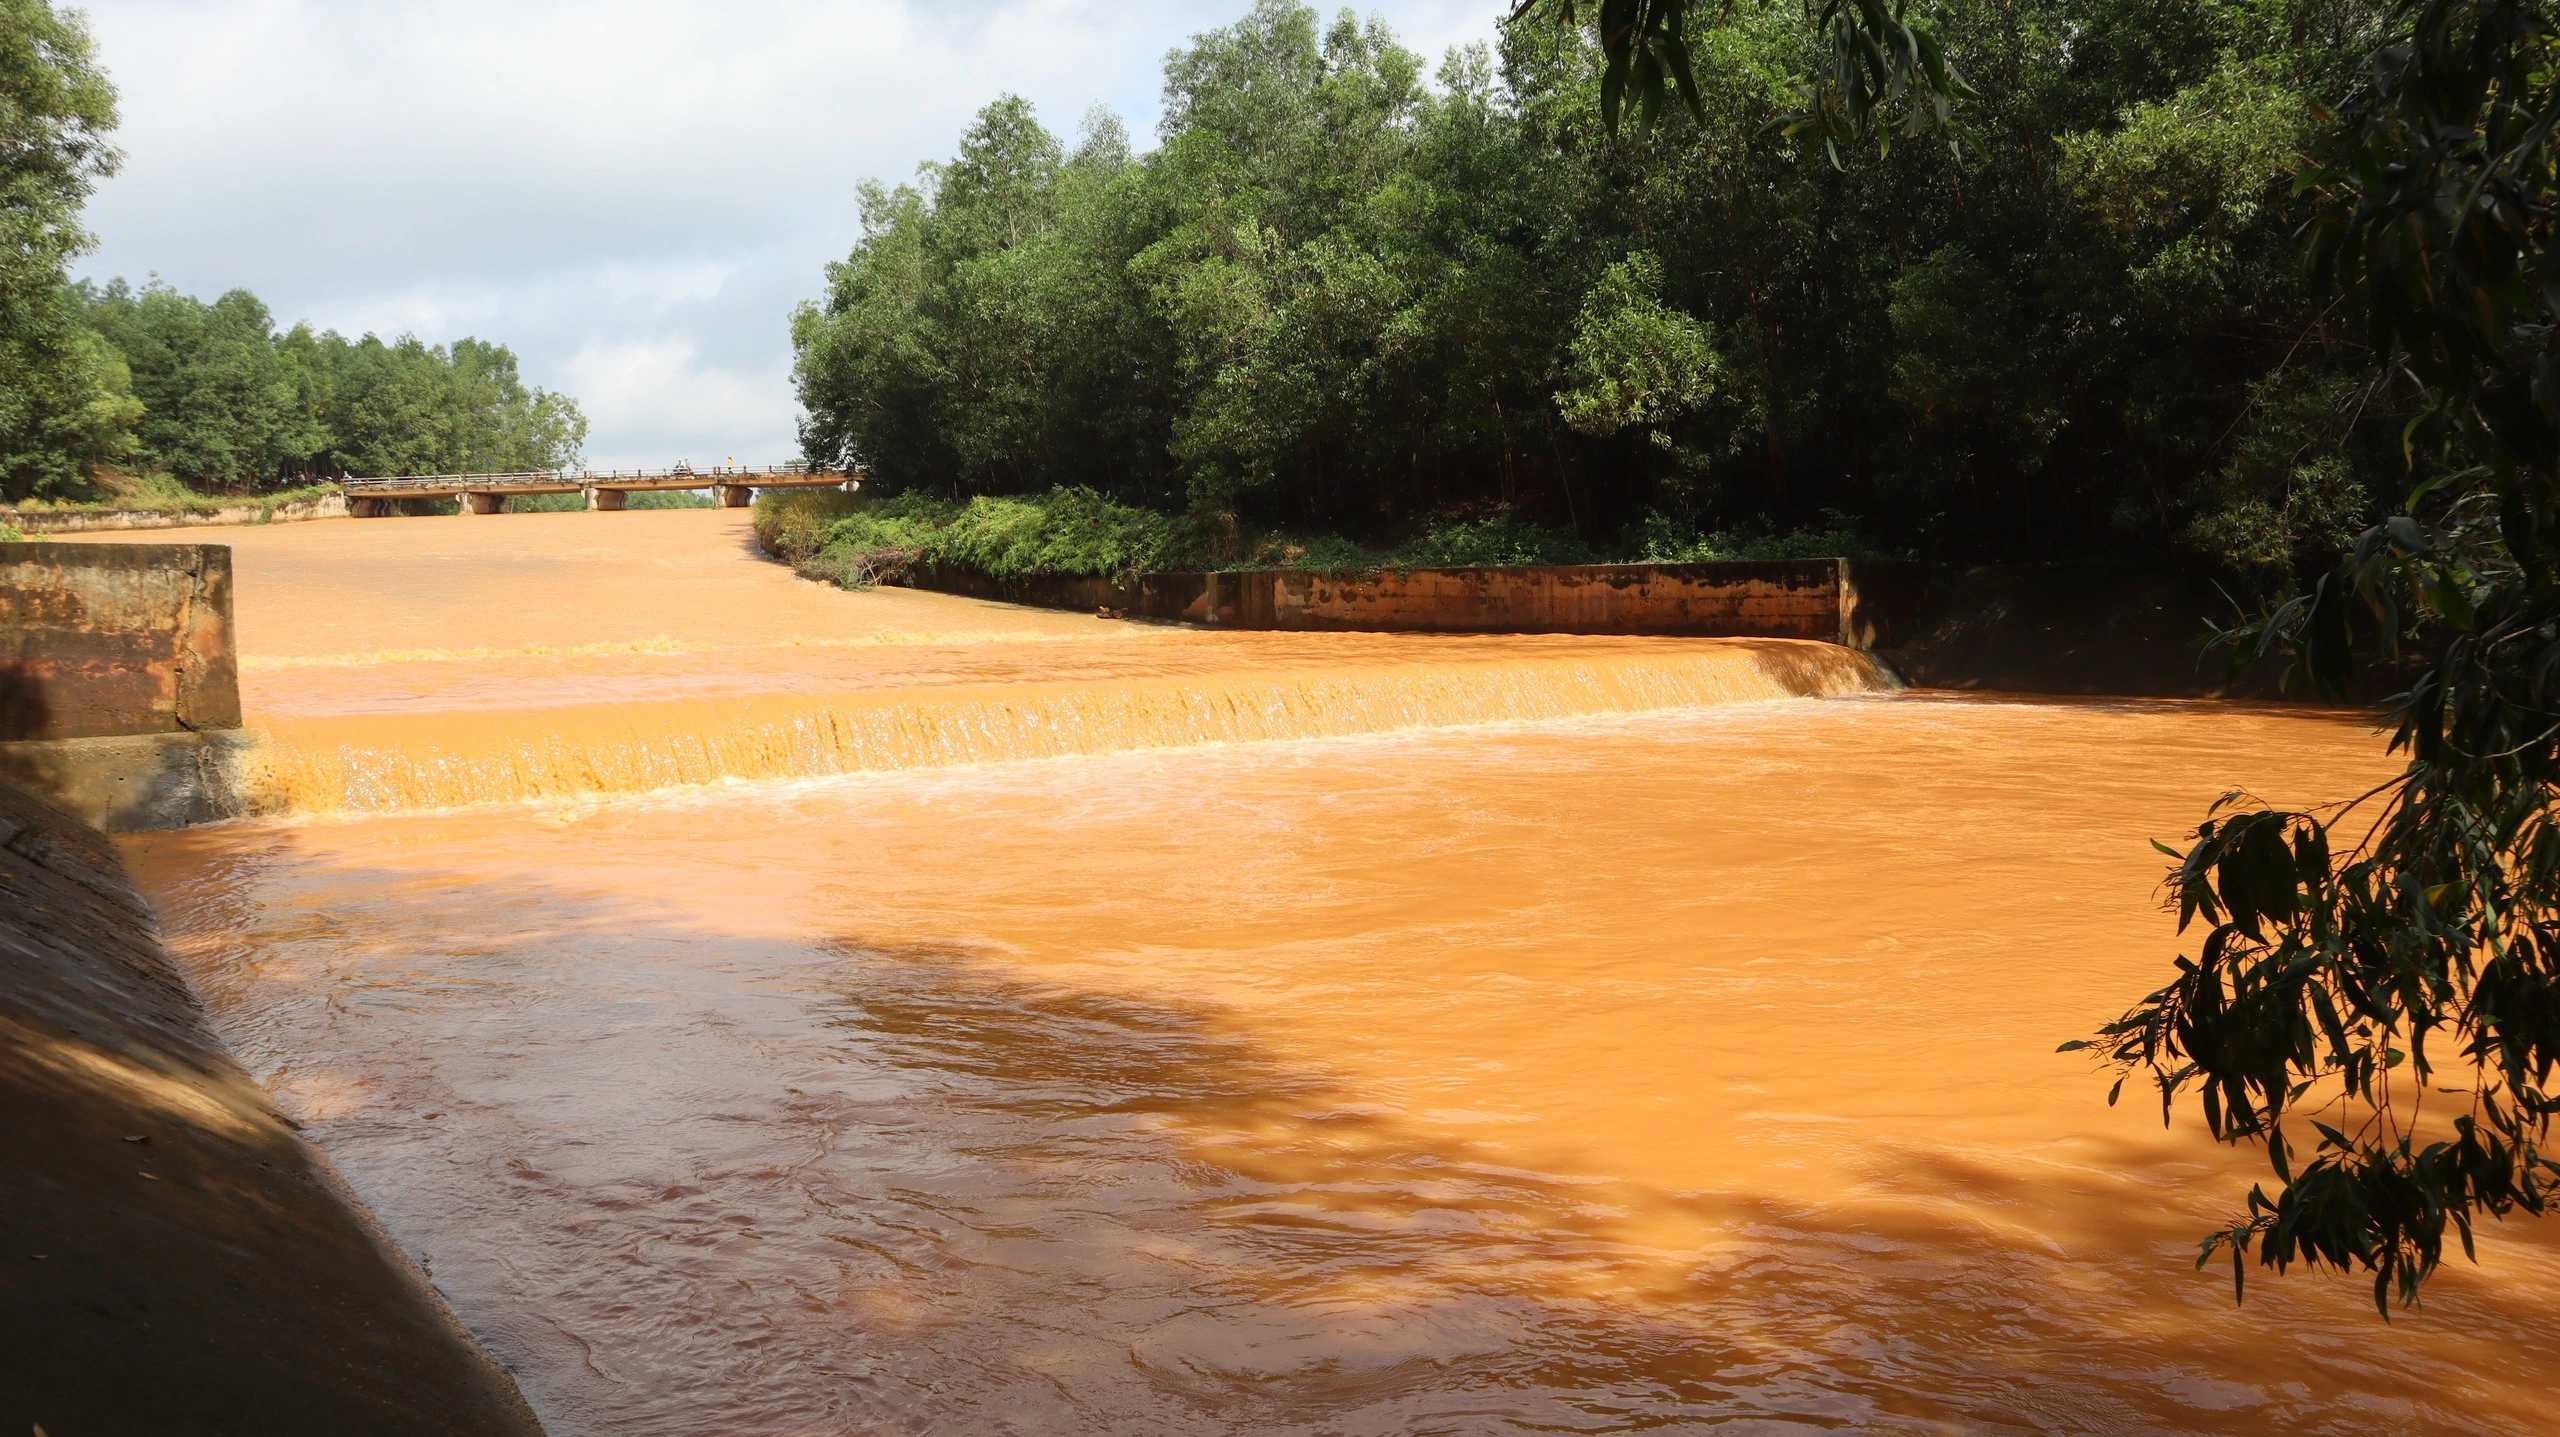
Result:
[2347,972]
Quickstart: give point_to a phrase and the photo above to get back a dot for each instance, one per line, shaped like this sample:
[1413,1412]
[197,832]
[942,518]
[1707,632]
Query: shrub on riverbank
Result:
[1065,531]
[159,492]
[790,523]
[856,541]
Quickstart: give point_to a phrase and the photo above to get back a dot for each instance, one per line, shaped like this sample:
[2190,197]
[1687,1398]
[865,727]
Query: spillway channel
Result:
[770,1010]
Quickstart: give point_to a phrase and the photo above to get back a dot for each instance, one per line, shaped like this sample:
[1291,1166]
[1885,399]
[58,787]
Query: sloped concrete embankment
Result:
[173,1257]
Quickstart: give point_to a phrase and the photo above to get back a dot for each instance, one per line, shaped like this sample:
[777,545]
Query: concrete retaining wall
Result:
[179,1260]
[136,783]
[1865,604]
[80,521]
[119,691]
[111,639]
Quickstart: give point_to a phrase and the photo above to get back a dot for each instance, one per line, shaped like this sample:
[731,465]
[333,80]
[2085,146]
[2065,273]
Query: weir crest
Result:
[446,758]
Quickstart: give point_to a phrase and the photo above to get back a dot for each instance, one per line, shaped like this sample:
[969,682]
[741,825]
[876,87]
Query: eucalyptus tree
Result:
[2387,974]
[224,407]
[62,395]
[2044,303]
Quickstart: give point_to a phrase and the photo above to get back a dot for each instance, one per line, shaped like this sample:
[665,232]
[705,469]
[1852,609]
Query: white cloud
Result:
[654,401]
[611,189]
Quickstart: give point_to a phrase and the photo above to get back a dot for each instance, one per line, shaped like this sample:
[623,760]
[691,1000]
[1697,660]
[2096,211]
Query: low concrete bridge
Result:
[732,485]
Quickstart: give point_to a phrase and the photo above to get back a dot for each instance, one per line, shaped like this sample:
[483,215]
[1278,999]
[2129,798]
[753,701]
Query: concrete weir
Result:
[1864,604]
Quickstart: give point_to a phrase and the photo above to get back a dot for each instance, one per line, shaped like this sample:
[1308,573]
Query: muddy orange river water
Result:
[770,1010]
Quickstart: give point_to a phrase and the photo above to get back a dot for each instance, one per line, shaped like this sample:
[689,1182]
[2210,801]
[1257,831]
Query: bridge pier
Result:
[607,500]
[359,507]
[478,501]
[733,496]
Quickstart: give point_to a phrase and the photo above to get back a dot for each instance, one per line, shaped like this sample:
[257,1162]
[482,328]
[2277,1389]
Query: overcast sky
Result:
[631,195]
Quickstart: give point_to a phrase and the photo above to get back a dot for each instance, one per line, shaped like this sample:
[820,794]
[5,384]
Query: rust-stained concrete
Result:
[1864,604]
[173,1257]
[113,639]
[119,686]
[1796,600]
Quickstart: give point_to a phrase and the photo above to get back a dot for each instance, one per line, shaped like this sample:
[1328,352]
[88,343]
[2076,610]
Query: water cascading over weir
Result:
[746,697]
[914,707]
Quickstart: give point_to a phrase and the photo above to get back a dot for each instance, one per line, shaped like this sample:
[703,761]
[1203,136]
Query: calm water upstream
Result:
[1025,1024]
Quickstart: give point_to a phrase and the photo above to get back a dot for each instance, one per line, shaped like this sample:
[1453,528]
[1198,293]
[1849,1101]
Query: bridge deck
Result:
[563,481]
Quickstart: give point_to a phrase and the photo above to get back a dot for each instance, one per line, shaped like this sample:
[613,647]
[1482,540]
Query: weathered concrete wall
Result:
[1799,600]
[179,1260]
[2128,630]
[135,783]
[42,521]
[1864,604]
[111,639]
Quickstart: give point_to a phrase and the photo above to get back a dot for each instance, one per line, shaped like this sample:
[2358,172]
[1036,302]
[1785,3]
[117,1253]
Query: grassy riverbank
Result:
[113,491]
[856,540]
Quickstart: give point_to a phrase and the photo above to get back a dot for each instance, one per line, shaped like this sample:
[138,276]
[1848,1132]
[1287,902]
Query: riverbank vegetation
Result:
[156,491]
[862,540]
[230,402]
[151,398]
[2356,957]
[2269,285]
[1347,294]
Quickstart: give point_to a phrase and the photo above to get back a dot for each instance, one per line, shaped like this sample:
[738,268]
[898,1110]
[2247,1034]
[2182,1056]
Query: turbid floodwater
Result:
[771,1010]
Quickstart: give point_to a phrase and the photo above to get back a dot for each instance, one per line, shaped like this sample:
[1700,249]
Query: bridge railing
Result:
[587,478]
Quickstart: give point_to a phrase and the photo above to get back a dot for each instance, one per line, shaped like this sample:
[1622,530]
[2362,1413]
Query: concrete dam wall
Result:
[2126,630]
[101,640]
[119,686]
[1864,604]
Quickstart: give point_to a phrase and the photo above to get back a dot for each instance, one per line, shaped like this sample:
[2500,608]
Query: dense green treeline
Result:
[229,402]
[1337,297]
[64,401]
[99,381]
